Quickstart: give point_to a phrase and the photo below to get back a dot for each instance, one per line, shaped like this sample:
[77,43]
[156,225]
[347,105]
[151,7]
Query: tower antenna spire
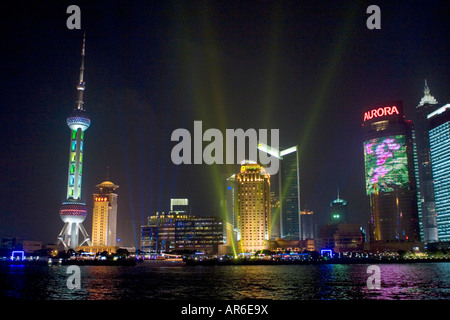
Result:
[427,97]
[81,83]
[107,173]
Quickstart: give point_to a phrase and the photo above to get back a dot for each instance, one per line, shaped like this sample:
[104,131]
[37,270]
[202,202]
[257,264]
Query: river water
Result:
[416,281]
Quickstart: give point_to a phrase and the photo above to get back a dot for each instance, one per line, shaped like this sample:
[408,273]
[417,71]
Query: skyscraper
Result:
[289,190]
[104,216]
[425,192]
[253,219]
[289,184]
[73,211]
[439,134]
[389,171]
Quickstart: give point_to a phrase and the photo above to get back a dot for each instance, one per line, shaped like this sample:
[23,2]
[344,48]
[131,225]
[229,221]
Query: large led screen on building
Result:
[386,164]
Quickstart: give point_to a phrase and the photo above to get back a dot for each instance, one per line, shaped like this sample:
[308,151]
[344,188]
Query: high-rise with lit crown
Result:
[254,221]
[425,192]
[73,211]
[104,215]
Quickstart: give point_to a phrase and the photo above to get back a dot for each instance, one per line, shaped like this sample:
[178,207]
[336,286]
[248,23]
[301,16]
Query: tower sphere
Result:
[78,119]
[72,211]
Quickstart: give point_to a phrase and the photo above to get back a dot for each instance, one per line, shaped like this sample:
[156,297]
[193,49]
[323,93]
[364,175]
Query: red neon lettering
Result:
[366,116]
[380,112]
[394,109]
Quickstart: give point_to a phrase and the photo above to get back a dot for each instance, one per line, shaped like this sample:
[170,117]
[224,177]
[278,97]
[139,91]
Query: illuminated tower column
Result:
[73,211]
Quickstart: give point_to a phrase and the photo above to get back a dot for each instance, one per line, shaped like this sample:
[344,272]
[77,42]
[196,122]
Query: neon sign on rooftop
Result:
[380,112]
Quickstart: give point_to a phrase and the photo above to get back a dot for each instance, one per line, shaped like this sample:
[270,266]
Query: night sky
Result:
[306,68]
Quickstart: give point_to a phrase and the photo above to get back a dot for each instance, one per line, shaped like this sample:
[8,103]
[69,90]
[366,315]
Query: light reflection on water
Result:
[290,282]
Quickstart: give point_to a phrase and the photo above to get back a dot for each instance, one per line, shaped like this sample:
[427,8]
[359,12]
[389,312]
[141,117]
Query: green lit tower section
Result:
[73,211]
[76,156]
[338,211]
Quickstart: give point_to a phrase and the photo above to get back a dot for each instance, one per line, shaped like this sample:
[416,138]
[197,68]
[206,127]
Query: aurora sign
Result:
[381,112]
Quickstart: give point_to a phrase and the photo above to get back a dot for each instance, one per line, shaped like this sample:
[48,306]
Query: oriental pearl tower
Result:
[73,211]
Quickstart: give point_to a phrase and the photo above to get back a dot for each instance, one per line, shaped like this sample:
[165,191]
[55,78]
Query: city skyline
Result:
[156,68]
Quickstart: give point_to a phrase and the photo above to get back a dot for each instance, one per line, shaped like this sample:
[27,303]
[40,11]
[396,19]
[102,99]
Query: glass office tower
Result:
[288,190]
[289,195]
[439,134]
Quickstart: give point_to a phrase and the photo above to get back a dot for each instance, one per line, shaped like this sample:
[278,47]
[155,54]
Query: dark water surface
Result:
[422,281]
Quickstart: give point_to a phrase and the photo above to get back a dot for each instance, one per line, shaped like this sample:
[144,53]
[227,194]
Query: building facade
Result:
[389,173]
[307,225]
[348,238]
[165,233]
[254,208]
[158,235]
[275,232]
[439,135]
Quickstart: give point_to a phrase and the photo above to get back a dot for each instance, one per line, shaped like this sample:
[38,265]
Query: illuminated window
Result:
[380,125]
[74,145]
[72,156]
